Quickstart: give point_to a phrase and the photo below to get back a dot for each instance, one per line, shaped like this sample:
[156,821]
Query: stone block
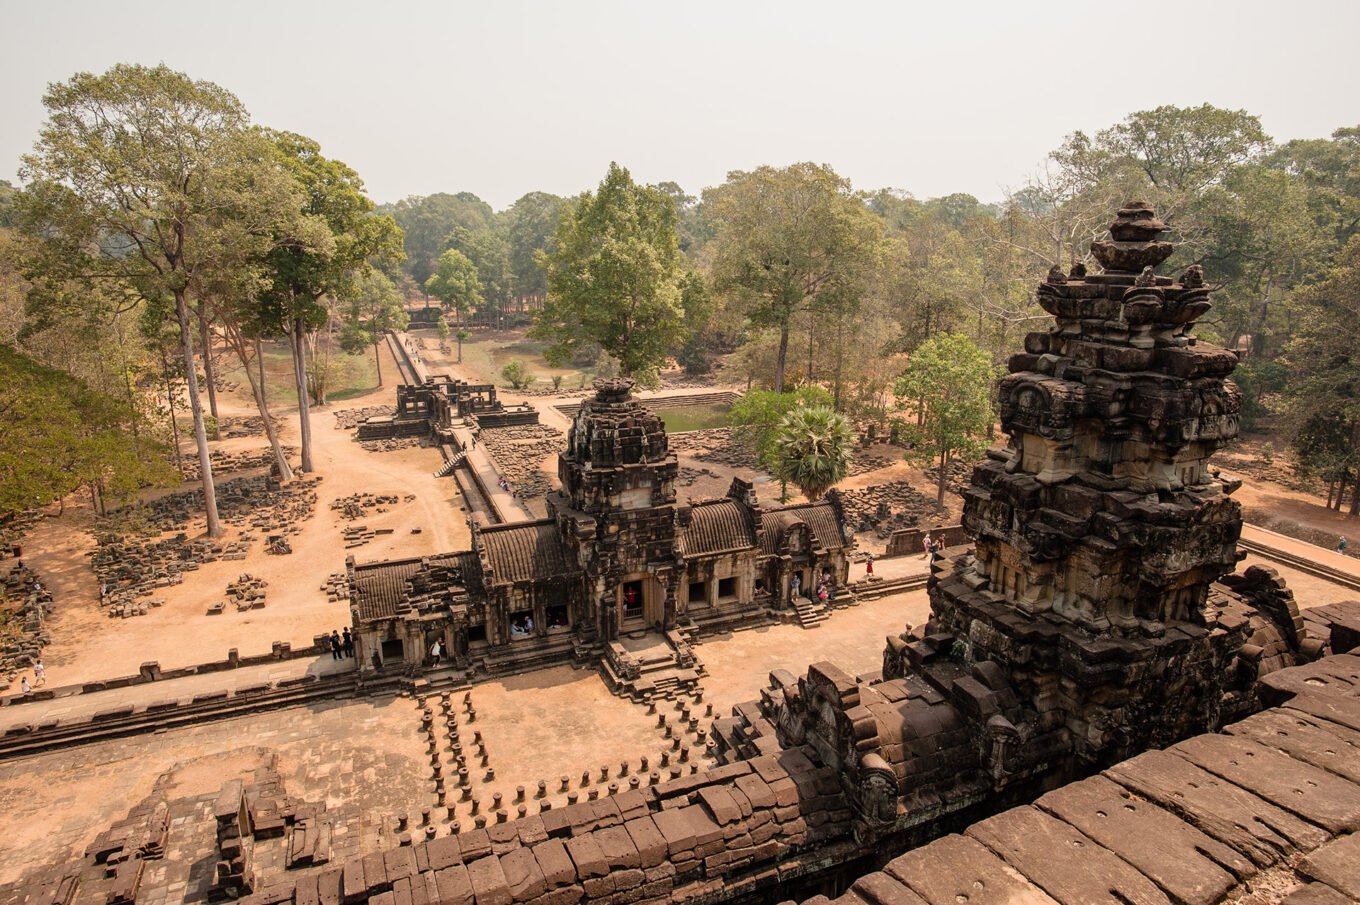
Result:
[587,856]
[454,885]
[442,852]
[554,863]
[488,881]
[618,847]
[523,876]
[647,840]
[1337,864]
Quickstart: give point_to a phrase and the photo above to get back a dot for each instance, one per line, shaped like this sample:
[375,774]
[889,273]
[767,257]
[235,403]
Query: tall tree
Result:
[301,275]
[531,223]
[134,179]
[456,283]
[784,239]
[373,307]
[952,379]
[428,222]
[614,277]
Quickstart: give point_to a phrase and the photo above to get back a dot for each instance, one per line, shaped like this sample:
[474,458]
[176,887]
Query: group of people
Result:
[522,626]
[341,646]
[503,484]
[933,546]
[824,586]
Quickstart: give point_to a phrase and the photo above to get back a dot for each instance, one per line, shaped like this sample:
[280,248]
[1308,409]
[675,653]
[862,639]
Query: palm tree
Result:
[812,449]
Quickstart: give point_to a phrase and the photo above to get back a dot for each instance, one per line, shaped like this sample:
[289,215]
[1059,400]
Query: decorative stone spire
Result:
[618,455]
[1134,242]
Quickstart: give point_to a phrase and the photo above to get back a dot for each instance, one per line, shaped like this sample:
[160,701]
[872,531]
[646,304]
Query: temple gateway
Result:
[616,559]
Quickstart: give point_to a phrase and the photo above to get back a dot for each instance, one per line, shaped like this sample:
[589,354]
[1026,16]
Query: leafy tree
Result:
[135,179]
[428,222]
[756,416]
[532,220]
[697,348]
[614,277]
[441,329]
[951,379]
[462,336]
[300,276]
[517,375]
[456,283]
[374,308]
[812,449]
[489,253]
[787,239]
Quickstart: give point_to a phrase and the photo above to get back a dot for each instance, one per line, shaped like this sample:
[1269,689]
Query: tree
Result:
[951,379]
[490,255]
[756,417]
[455,283]
[614,277]
[517,375]
[300,275]
[462,336]
[428,222]
[374,308]
[787,239]
[812,449]
[134,180]
[531,223]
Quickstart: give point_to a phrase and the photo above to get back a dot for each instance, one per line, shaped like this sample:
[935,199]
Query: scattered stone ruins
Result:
[1098,710]
[616,559]
[432,407]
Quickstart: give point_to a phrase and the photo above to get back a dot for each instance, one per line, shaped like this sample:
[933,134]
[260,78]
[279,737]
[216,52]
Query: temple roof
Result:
[717,525]
[525,551]
[380,590]
[820,517]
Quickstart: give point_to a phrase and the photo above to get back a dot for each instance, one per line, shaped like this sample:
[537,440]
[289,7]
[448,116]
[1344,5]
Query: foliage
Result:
[427,224]
[787,240]
[455,283]
[756,417]
[949,379]
[531,222]
[812,449]
[517,374]
[614,277]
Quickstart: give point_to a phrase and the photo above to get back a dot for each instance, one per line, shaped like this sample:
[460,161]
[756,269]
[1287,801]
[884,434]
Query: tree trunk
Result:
[812,337]
[783,357]
[174,425]
[300,378]
[377,362]
[186,339]
[238,343]
[209,372]
[944,473]
[840,363]
[1340,492]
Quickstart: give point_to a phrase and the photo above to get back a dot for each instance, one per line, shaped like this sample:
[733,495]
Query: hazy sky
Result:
[501,98]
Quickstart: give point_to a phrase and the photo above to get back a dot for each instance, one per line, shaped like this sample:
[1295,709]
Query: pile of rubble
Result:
[247,592]
[864,462]
[349,419]
[235,461]
[357,505]
[251,502]
[25,603]
[714,444]
[130,570]
[390,444]
[358,535]
[336,587]
[519,451]
[253,426]
[885,508]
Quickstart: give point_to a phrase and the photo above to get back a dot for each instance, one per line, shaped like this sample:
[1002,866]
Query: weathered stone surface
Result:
[1254,827]
[1337,864]
[1316,894]
[959,869]
[455,888]
[1316,795]
[554,862]
[523,876]
[1191,867]
[1064,862]
[488,881]
[881,889]
[1321,743]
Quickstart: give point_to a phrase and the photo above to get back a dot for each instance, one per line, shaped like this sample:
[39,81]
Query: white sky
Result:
[501,98]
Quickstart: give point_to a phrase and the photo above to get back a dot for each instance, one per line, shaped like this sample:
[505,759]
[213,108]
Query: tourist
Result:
[869,566]
[795,586]
[926,544]
[823,594]
[24,687]
[436,652]
[347,642]
[936,548]
[335,646]
[1341,544]
[39,673]
[528,625]
[103,590]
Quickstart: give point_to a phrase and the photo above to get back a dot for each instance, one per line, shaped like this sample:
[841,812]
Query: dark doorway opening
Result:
[632,600]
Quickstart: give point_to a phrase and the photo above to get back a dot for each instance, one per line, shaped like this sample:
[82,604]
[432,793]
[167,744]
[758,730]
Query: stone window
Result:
[476,634]
[392,650]
[698,592]
[559,618]
[727,587]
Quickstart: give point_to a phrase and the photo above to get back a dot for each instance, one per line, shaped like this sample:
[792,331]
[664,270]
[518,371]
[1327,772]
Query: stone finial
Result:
[1078,271]
[613,389]
[1193,277]
[1147,278]
[1134,241]
[1055,275]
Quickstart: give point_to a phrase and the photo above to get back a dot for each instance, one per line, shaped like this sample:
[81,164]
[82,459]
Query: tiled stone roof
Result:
[379,589]
[715,526]
[527,551]
[819,517]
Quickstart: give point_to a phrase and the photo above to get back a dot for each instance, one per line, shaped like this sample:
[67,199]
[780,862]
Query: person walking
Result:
[869,566]
[1341,544]
[436,652]
[335,646]
[39,673]
[347,643]
[925,545]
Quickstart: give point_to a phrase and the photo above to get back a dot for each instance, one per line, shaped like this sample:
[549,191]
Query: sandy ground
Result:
[88,645]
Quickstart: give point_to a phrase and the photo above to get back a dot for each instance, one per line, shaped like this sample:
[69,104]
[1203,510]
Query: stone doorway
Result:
[641,604]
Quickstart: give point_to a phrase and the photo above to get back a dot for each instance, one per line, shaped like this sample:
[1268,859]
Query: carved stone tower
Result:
[617,508]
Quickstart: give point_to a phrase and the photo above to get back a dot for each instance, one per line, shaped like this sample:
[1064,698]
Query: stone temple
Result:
[617,571]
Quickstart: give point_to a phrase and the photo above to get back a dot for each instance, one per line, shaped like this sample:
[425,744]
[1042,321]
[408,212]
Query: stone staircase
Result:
[662,671]
[810,612]
[450,464]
